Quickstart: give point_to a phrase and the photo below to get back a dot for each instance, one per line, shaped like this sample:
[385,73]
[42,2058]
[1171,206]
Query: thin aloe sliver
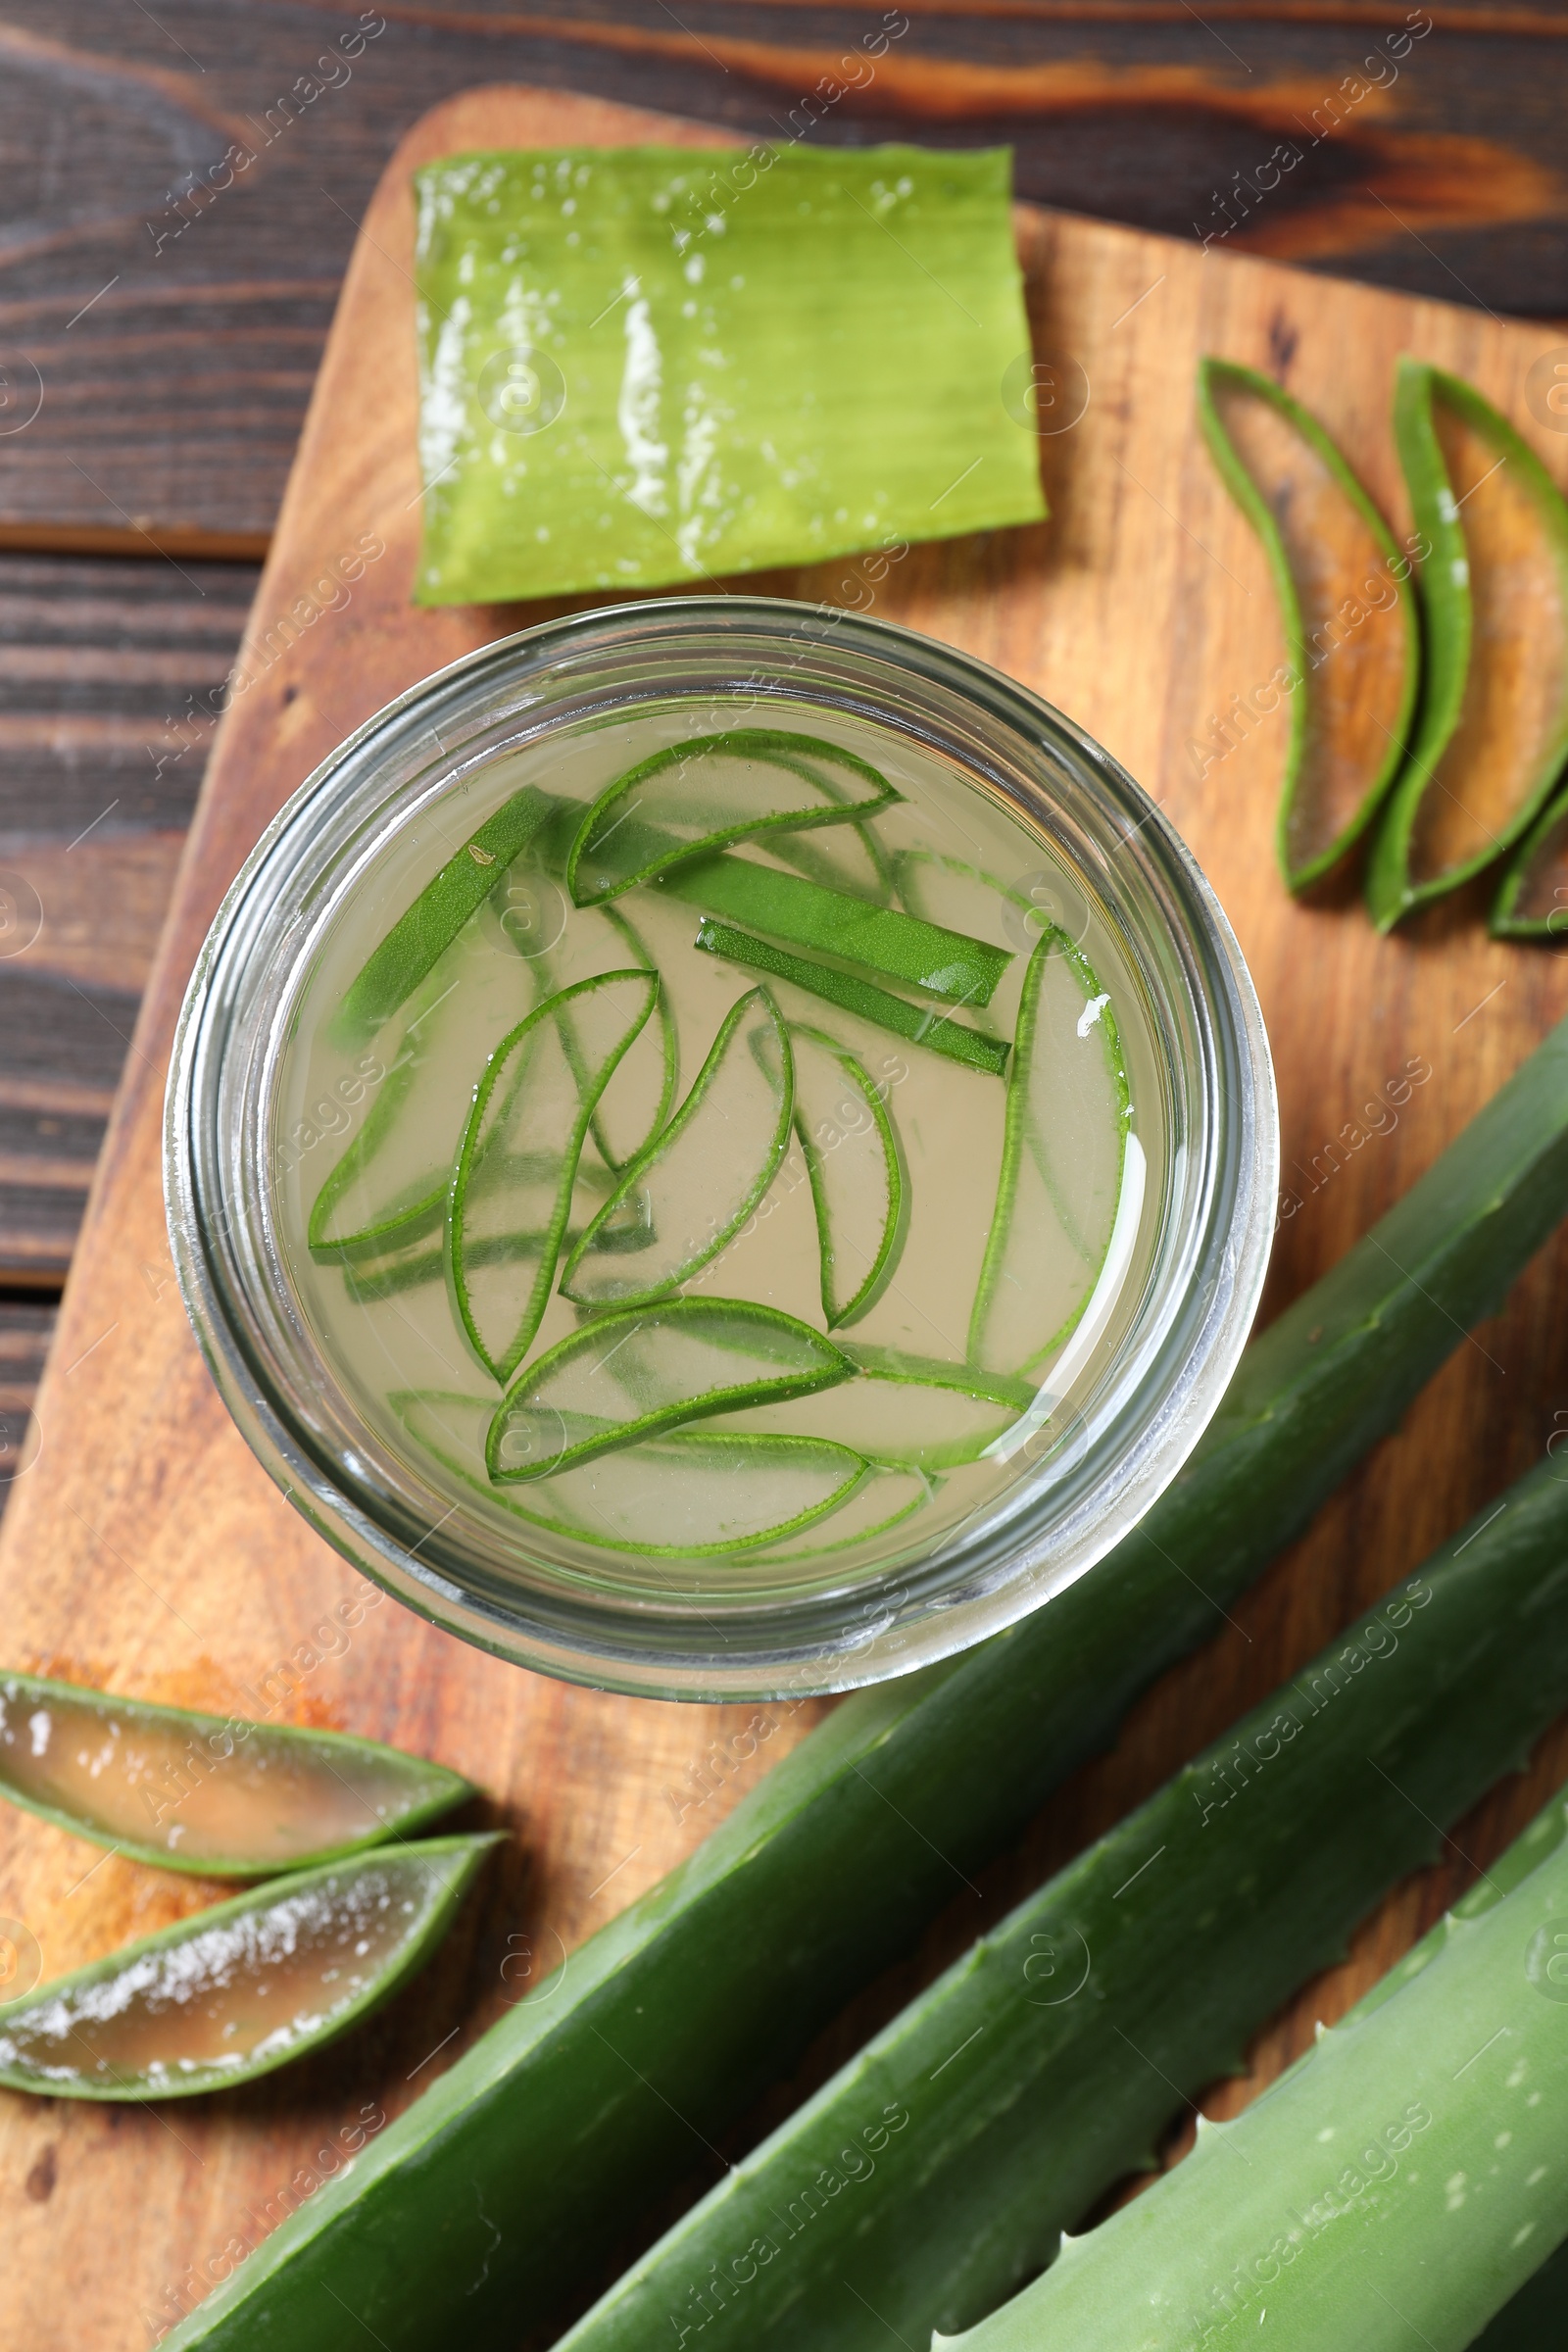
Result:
[704,1174]
[1493,726]
[1064,1143]
[923,1025]
[1532,902]
[856,1170]
[1353,651]
[685,1495]
[904,1411]
[237,1991]
[640,1371]
[423,933]
[698,795]
[212,1793]
[899,947]
[532,1092]
[886,1500]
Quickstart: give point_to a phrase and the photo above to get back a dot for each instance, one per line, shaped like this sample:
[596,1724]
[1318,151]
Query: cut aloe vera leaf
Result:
[642,1370]
[900,947]
[421,936]
[712,790]
[856,1171]
[1352,650]
[631,1111]
[1493,726]
[906,1411]
[211,1794]
[1532,902]
[686,1495]
[883,1500]
[700,1178]
[238,1990]
[532,1108]
[923,1025]
[1062,1149]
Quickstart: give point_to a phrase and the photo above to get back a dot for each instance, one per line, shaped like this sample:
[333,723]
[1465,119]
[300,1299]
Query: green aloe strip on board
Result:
[642,1370]
[1533,900]
[531,1095]
[745,784]
[651,364]
[392,973]
[211,1794]
[574,2113]
[239,1990]
[1352,649]
[937,2169]
[1395,2187]
[1493,728]
[700,1178]
[923,1025]
[690,1495]
[898,947]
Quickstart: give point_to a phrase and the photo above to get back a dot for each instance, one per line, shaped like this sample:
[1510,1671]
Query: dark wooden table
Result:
[182,188]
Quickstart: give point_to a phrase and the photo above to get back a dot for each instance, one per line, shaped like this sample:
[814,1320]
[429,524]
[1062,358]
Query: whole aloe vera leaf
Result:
[211,1794]
[575,2112]
[1493,731]
[1352,682]
[1395,2187]
[237,1991]
[1046,2063]
[427,929]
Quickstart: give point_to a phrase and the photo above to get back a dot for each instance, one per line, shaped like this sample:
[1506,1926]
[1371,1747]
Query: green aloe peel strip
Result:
[937,2170]
[1493,730]
[855,1170]
[239,1990]
[1353,655]
[533,1091]
[651,364]
[921,1025]
[1533,900]
[578,2107]
[211,1794]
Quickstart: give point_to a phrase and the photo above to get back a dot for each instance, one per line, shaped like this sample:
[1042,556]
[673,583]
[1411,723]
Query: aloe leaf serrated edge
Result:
[1244,489]
[575,2110]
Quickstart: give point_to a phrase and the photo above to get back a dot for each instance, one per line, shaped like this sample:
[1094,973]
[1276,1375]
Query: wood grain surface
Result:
[144,1550]
[168,302]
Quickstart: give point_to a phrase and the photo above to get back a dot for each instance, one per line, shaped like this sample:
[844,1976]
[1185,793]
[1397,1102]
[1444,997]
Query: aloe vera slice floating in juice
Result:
[699,1179]
[1062,1163]
[1352,652]
[855,1170]
[710,791]
[1493,723]
[214,1793]
[534,1098]
[239,1990]
[683,1495]
[905,1412]
[643,1370]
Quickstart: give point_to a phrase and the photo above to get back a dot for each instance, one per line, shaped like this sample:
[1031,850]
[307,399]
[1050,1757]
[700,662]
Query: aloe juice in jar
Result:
[744,1175]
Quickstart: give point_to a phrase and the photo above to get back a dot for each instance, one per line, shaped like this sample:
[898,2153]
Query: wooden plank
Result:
[149,1551]
[111,678]
[170,303]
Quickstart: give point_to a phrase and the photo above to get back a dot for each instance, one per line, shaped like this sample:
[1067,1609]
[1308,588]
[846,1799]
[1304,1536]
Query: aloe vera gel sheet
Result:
[649,365]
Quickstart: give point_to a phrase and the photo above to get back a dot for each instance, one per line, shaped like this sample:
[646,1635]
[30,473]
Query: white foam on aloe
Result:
[1035,1304]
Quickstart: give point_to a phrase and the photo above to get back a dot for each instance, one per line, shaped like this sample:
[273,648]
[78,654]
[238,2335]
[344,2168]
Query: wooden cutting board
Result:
[146,1552]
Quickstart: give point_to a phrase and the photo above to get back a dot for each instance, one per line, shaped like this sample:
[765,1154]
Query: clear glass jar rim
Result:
[1006,1566]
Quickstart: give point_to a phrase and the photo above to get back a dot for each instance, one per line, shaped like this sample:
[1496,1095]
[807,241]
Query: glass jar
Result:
[1121,1409]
